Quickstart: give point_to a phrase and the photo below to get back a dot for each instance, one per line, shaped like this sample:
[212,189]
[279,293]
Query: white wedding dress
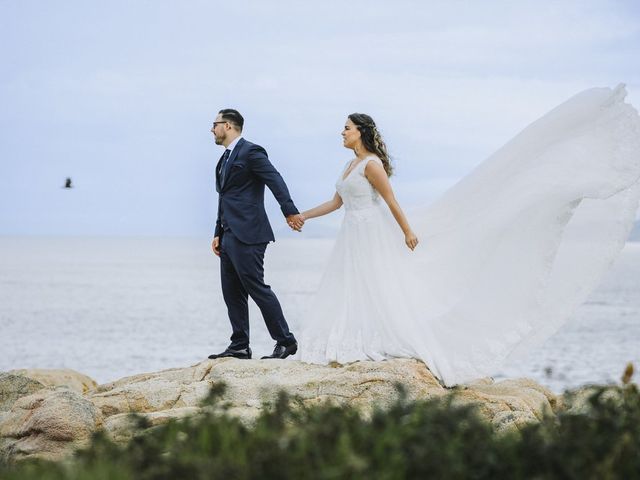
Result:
[504,256]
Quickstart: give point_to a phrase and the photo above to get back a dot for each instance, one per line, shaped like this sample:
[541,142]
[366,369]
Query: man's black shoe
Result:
[244,354]
[283,352]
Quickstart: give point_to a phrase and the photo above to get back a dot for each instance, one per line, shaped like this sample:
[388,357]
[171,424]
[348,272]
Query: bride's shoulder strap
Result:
[375,159]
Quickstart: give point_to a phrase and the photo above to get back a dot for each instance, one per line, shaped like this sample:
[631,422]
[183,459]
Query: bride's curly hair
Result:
[372,139]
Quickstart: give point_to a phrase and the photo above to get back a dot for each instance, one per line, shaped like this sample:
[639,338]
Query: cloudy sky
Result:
[120,96]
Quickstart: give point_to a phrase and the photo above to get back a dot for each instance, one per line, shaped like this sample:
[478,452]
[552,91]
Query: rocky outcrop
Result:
[48,424]
[66,378]
[510,403]
[252,383]
[49,415]
[13,387]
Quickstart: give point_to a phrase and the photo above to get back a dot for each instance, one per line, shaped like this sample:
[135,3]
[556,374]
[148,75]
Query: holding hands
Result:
[296,222]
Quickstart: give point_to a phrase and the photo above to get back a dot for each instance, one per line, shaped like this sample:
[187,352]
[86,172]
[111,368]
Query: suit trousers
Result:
[242,275]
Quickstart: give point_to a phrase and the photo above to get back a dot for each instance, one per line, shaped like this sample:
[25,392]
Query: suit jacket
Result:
[241,195]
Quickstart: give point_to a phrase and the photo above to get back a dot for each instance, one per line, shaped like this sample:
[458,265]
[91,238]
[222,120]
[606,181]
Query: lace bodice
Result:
[356,191]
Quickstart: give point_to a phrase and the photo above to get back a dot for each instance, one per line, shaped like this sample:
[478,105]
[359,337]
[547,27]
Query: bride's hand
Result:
[411,240]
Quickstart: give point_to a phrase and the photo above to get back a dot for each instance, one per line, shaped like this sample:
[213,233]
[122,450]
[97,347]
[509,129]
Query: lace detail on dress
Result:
[356,191]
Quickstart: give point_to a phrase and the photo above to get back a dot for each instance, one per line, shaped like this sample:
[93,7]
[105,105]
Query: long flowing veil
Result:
[516,245]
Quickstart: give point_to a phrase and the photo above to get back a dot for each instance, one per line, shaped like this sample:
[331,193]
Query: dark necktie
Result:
[223,164]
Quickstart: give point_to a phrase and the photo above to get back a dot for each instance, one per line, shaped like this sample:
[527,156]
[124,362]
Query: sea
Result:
[111,307]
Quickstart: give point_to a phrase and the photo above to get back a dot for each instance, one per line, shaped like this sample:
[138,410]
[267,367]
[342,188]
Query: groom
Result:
[243,232]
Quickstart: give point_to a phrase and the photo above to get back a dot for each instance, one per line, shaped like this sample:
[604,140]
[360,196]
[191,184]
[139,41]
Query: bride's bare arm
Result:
[380,181]
[322,209]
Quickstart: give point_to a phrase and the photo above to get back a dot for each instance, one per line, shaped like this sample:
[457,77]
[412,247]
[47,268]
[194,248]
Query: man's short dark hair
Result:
[232,116]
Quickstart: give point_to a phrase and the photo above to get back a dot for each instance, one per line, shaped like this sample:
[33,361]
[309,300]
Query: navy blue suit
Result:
[244,231]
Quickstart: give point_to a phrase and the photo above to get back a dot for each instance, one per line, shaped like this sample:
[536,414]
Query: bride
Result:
[505,255]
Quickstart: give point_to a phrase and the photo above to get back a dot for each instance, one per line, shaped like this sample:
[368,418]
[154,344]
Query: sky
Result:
[120,97]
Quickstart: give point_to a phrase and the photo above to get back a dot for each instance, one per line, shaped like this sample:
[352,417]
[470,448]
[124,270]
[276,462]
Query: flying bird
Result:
[67,183]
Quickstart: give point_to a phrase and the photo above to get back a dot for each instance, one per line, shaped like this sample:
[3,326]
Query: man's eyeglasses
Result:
[217,123]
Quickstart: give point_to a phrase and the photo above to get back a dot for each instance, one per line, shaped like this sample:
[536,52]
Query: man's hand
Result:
[215,245]
[295,222]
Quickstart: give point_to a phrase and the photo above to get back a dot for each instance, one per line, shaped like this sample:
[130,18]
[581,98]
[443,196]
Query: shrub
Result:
[419,439]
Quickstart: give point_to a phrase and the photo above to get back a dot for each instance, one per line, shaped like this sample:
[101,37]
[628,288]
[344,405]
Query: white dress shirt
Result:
[233,144]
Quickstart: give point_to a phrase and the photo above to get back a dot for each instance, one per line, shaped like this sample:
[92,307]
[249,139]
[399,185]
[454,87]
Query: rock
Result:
[515,394]
[577,401]
[65,378]
[52,422]
[506,421]
[175,388]
[13,387]
[362,384]
[48,424]
[121,427]
[252,383]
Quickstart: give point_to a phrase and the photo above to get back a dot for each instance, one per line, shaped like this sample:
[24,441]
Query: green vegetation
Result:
[423,439]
